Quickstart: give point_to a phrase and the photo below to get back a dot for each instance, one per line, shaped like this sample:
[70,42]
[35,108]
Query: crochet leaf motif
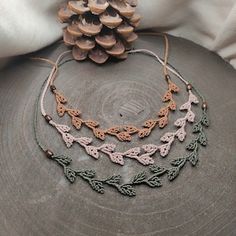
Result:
[127,190]
[91,123]
[193,146]
[173,173]
[205,121]
[88,173]
[63,128]
[169,137]
[190,116]
[153,180]
[202,139]
[133,153]
[181,134]
[130,129]
[84,141]
[76,122]
[150,148]
[197,127]
[180,122]
[158,170]
[180,162]
[68,138]
[114,180]
[74,112]
[99,134]
[144,133]
[70,174]
[149,123]
[165,148]
[193,158]
[92,151]
[114,130]
[122,133]
[64,160]
[117,157]
[167,96]
[193,98]
[139,178]
[142,155]
[107,148]
[60,98]
[145,159]
[173,87]
[61,109]
[124,136]
[97,185]
[163,122]
[172,105]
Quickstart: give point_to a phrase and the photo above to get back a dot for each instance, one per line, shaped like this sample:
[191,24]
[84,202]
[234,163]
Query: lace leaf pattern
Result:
[144,154]
[122,133]
[150,179]
[115,181]
[169,137]
[193,147]
[200,140]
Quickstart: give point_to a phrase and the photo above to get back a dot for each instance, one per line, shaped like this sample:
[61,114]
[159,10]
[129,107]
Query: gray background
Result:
[35,199]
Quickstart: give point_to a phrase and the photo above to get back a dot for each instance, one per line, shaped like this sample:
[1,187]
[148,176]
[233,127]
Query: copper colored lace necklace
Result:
[151,179]
[125,132]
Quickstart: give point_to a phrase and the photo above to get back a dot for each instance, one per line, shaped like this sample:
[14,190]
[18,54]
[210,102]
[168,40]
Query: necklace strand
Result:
[150,178]
[141,154]
[124,132]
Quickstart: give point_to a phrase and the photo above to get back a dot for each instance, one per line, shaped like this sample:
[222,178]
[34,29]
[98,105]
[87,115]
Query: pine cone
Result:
[99,29]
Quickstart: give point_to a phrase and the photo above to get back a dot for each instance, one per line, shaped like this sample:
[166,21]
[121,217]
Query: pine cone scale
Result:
[117,50]
[97,6]
[122,7]
[78,7]
[85,44]
[79,54]
[106,41]
[99,29]
[69,40]
[98,56]
[73,29]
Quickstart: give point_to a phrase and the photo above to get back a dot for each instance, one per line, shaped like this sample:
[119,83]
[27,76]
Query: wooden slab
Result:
[36,200]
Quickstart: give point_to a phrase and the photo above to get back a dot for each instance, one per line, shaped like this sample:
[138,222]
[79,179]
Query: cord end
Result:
[49,154]
[204,106]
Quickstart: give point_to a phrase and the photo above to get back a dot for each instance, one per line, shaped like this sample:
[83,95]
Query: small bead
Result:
[53,88]
[189,87]
[204,105]
[49,154]
[167,77]
[48,118]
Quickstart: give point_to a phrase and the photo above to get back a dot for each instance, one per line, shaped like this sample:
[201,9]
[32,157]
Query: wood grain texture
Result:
[36,200]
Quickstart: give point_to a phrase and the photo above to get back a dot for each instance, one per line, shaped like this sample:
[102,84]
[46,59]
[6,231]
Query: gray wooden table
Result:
[36,200]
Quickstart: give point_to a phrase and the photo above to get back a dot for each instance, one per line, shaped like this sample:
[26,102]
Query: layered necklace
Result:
[144,154]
